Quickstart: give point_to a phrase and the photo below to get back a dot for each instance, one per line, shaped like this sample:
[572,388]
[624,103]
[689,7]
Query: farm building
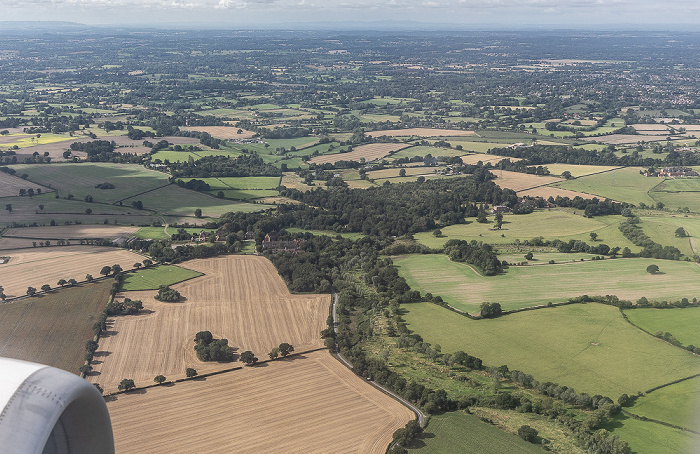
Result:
[500,209]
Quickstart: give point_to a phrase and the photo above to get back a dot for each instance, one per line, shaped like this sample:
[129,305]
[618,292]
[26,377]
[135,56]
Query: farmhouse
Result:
[500,209]
[271,242]
[673,172]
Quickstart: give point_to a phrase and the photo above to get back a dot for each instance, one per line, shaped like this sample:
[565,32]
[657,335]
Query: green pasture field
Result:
[153,278]
[184,156]
[623,185]
[589,347]
[646,437]
[476,146]
[388,100]
[80,179]
[351,235]
[460,432]
[678,404]
[525,286]
[410,171]
[174,200]
[678,193]
[52,328]
[550,224]
[662,229]
[682,323]
[423,151]
[245,194]
[381,181]
[322,148]
[26,210]
[543,258]
[379,118]
[251,182]
[576,170]
[155,233]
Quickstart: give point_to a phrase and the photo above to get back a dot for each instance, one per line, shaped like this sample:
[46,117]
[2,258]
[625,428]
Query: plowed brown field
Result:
[38,266]
[240,298]
[300,405]
[370,152]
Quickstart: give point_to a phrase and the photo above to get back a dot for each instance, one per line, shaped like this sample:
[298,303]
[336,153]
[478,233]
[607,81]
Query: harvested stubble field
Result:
[370,152]
[10,185]
[222,132]
[53,328]
[240,298]
[493,159]
[552,191]
[521,181]
[46,265]
[421,132]
[281,406]
[73,231]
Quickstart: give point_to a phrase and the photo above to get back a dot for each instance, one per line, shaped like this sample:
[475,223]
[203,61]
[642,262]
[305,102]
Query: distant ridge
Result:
[40,25]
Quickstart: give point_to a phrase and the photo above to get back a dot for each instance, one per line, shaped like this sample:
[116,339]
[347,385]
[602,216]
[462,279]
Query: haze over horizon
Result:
[625,14]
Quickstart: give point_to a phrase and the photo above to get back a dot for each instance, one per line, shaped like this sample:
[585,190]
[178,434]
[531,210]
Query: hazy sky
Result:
[244,13]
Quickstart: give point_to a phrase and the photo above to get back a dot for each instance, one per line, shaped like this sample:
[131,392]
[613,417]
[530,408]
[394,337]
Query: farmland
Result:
[153,278]
[676,404]
[46,265]
[651,438]
[259,407]
[421,132]
[460,432]
[623,185]
[521,181]
[10,185]
[80,179]
[52,328]
[681,323]
[72,232]
[550,224]
[588,347]
[369,153]
[523,286]
[241,298]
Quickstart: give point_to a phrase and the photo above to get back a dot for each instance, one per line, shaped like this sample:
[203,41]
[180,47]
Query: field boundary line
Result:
[656,421]
[624,316]
[141,193]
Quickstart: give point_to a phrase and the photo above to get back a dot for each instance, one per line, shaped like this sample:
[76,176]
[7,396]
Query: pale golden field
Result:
[240,298]
[370,152]
[14,243]
[651,127]
[300,405]
[410,171]
[620,139]
[293,181]
[493,159]
[10,185]
[577,170]
[547,191]
[221,132]
[518,181]
[421,132]
[73,231]
[46,265]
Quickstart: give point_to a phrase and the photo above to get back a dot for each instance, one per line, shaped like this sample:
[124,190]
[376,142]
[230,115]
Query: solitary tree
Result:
[31,291]
[198,213]
[274,353]
[681,233]
[106,270]
[159,379]
[402,172]
[437,233]
[190,372]
[46,288]
[529,256]
[594,236]
[499,221]
[126,384]
[285,349]
[653,269]
[248,357]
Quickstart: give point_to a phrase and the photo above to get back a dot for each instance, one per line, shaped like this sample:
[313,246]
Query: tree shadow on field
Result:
[110,398]
[101,354]
[294,357]
[108,333]
[146,311]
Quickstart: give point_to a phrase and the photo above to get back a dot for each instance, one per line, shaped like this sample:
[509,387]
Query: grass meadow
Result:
[589,347]
[525,286]
[622,185]
[460,432]
[550,224]
[80,179]
[651,438]
[153,278]
[679,193]
[682,323]
[678,404]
